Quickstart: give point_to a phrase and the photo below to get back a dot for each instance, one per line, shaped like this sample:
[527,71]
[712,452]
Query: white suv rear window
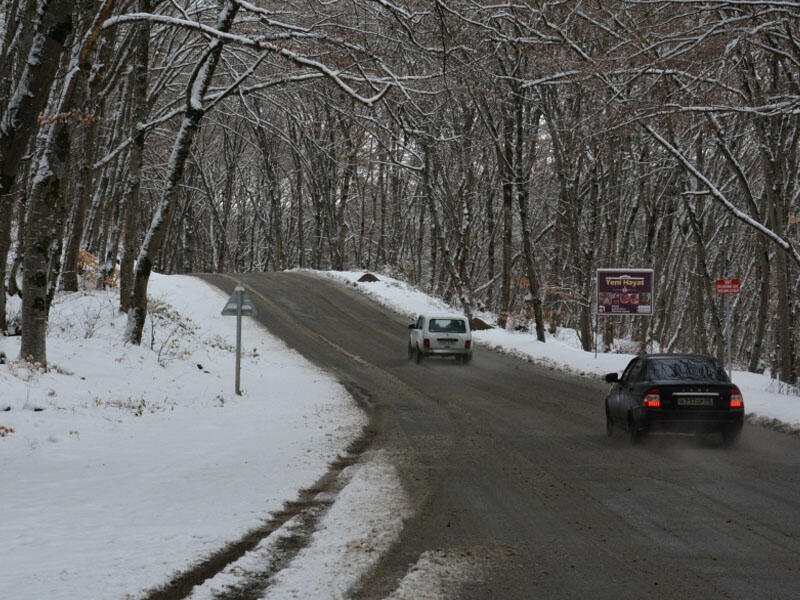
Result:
[447,326]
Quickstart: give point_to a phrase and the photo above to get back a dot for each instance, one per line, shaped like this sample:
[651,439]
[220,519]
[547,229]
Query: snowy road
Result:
[510,474]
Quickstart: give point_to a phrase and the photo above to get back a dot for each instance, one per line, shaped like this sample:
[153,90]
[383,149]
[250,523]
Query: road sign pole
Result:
[239,305]
[239,340]
[728,287]
[728,325]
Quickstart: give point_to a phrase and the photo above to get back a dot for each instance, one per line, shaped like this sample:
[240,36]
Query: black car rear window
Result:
[685,369]
[448,326]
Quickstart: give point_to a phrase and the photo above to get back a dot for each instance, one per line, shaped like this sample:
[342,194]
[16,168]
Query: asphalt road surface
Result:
[508,465]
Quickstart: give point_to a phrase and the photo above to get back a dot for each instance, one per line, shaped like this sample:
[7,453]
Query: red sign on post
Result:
[728,286]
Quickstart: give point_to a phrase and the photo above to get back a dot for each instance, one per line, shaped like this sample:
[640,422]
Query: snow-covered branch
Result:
[268,44]
[720,196]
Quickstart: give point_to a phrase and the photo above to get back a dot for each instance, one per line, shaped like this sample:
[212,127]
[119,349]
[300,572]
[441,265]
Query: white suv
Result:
[440,335]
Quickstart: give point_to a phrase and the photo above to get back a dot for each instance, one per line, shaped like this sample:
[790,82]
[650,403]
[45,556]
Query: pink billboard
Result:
[624,291]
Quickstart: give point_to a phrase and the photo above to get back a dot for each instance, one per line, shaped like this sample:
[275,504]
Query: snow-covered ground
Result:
[123,466]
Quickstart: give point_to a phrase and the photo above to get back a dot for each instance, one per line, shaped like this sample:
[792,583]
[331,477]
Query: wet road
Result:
[508,466]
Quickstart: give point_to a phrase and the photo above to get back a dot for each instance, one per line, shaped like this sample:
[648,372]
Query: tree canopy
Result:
[494,154]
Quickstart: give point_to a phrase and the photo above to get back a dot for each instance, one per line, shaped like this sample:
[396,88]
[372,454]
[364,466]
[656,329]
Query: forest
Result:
[494,154]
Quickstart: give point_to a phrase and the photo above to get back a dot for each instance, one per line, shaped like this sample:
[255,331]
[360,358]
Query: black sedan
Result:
[683,393]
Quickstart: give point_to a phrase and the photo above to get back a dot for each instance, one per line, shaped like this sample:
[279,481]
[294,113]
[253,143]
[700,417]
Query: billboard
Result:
[624,291]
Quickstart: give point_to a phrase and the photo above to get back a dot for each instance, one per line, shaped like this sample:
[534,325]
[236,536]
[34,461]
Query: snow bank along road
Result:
[509,470]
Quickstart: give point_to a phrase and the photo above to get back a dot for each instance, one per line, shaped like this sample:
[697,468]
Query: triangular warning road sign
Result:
[239,304]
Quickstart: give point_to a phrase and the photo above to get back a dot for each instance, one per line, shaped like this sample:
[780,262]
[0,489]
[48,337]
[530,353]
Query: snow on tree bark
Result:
[25,101]
[156,233]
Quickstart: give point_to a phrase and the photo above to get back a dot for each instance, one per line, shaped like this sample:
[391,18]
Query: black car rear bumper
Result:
[689,421]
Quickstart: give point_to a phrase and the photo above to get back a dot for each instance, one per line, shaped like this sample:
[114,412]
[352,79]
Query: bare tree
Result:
[521,147]
[195,92]
[28,91]
[46,210]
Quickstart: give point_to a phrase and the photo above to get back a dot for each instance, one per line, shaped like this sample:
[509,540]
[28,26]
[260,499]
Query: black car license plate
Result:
[695,401]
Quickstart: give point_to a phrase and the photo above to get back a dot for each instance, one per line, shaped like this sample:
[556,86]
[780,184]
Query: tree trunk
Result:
[159,225]
[24,103]
[19,120]
[763,277]
[533,274]
[508,203]
[43,229]
[87,92]
[82,191]
[5,244]
[46,211]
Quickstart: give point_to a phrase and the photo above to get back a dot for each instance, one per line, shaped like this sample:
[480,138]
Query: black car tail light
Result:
[652,399]
[736,399]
